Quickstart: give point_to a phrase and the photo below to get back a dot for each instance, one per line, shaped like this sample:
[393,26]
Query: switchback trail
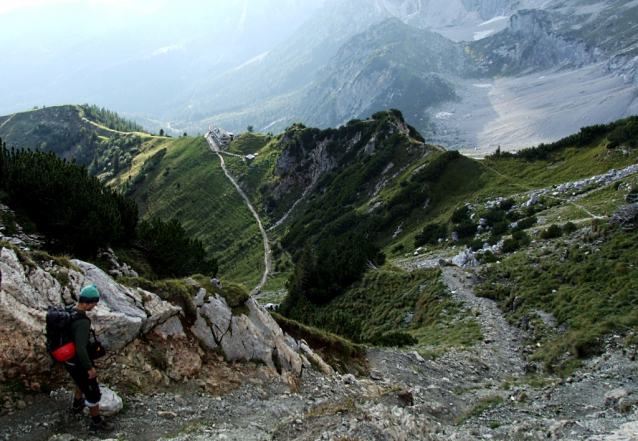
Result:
[215,148]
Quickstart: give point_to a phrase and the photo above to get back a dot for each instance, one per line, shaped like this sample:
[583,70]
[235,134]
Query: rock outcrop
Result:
[28,289]
[254,336]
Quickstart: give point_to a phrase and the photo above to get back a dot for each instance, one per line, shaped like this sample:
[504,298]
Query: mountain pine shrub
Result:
[75,212]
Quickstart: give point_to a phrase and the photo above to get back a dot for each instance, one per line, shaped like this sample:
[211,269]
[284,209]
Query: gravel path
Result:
[267,256]
[502,341]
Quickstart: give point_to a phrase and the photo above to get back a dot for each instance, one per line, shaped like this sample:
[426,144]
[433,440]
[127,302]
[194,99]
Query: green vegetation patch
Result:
[182,291]
[586,281]
[234,294]
[76,213]
[394,307]
[188,184]
[176,291]
[335,350]
[249,143]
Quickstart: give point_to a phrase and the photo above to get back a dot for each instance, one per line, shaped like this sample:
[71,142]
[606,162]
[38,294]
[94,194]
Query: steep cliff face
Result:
[488,9]
[532,41]
[438,14]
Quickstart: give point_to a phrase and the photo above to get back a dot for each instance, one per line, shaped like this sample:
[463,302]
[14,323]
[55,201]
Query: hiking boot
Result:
[102,426]
[78,406]
[78,409]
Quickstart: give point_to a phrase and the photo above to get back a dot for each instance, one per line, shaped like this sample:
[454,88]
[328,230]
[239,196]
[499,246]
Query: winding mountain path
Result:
[267,256]
[502,341]
[501,347]
[7,120]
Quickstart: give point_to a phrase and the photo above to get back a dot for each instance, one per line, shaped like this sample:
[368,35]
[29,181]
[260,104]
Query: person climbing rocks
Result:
[81,367]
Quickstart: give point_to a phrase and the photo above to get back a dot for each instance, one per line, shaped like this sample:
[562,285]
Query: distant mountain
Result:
[270,64]
[136,57]
[561,37]
[392,65]
[70,131]
[325,74]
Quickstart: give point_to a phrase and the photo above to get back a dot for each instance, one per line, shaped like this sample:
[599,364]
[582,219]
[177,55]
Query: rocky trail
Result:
[502,342]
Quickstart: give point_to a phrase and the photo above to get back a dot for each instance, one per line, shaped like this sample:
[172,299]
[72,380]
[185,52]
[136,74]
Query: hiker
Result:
[80,367]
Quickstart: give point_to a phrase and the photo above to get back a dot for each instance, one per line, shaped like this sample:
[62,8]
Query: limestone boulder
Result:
[23,307]
[110,403]
[171,327]
[123,313]
[203,332]
[27,290]
[252,336]
[219,315]
[157,310]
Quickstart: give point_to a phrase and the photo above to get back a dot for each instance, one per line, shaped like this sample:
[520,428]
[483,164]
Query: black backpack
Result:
[58,326]
[58,331]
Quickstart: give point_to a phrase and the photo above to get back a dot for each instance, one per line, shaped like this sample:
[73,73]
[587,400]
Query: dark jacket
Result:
[80,330]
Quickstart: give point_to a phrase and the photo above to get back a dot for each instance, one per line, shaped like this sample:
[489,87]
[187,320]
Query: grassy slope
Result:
[588,280]
[565,165]
[189,185]
[595,294]
[385,298]
[595,290]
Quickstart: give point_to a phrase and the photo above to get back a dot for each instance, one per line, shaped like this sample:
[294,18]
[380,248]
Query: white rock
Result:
[202,331]
[172,327]
[111,403]
[218,314]
[26,293]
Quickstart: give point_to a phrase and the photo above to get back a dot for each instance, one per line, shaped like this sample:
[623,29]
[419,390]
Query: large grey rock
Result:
[23,308]
[465,259]
[28,290]
[258,337]
[113,296]
[171,327]
[218,314]
[253,336]
[157,310]
[202,331]
[123,313]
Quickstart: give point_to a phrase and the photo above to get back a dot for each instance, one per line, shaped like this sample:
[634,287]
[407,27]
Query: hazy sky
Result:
[7,5]
[131,55]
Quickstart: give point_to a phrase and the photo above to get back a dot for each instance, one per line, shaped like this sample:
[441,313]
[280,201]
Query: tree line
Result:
[621,132]
[77,214]
[110,119]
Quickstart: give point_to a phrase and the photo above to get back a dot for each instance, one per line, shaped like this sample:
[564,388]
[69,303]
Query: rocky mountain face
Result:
[29,287]
[389,66]
[308,159]
[532,41]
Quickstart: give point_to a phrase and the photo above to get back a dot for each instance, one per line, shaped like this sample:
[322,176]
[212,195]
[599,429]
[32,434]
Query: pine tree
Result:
[116,162]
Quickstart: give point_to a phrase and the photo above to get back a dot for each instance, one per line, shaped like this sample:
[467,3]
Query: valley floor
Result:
[519,112]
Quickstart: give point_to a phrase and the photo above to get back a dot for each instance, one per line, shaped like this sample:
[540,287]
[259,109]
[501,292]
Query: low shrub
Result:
[396,338]
[553,232]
